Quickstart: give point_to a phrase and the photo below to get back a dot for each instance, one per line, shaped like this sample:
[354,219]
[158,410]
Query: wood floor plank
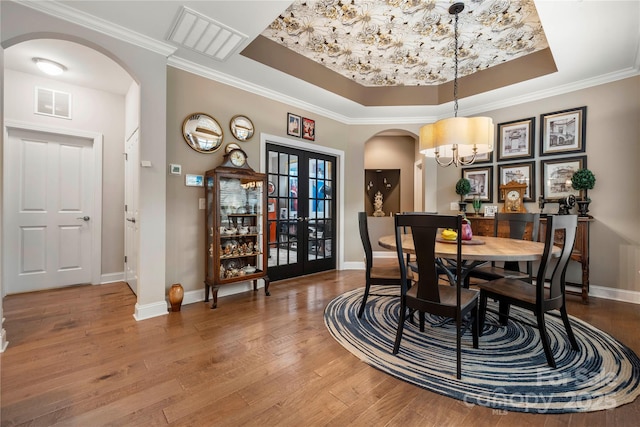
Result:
[77,357]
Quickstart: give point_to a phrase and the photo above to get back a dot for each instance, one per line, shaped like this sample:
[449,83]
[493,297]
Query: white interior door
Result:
[131,177]
[49,190]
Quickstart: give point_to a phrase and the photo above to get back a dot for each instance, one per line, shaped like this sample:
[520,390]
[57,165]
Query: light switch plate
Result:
[454,206]
[201,203]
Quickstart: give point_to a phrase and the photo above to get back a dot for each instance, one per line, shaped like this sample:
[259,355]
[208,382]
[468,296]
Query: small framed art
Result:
[481,180]
[193,180]
[294,125]
[308,129]
[515,139]
[556,176]
[519,172]
[563,132]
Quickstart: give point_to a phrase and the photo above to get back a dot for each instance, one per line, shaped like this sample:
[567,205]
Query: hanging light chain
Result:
[455,75]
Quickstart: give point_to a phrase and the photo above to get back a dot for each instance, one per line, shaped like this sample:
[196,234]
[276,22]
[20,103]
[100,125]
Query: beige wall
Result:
[188,93]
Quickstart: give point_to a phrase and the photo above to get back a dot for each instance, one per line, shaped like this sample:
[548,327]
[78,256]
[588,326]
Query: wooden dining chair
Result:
[545,294]
[374,274]
[427,295]
[517,224]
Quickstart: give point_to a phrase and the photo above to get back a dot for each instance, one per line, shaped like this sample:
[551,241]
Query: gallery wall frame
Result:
[481,158]
[308,129]
[481,179]
[563,132]
[294,125]
[556,176]
[519,172]
[515,139]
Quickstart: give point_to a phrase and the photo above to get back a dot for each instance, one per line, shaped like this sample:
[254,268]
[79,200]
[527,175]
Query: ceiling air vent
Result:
[204,35]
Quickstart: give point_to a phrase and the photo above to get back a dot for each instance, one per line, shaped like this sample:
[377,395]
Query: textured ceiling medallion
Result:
[402,42]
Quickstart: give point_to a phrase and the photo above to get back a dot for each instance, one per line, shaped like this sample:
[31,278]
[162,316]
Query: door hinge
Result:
[126,156]
[125,208]
[125,259]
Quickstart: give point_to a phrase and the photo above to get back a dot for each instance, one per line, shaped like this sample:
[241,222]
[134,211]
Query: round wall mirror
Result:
[202,132]
[241,127]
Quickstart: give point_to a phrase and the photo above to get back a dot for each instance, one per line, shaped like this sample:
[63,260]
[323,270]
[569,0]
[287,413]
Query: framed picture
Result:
[490,210]
[556,176]
[175,169]
[481,180]
[284,213]
[481,158]
[294,125]
[193,180]
[519,172]
[515,139]
[308,129]
[563,132]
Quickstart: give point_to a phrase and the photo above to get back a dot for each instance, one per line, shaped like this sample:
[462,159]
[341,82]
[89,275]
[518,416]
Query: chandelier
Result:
[457,140]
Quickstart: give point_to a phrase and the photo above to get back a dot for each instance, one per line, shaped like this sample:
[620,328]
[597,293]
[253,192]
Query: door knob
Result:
[131,220]
[84,218]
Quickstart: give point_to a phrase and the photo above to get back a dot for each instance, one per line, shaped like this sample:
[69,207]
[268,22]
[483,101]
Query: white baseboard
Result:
[3,338]
[147,311]
[353,265]
[112,277]
[615,294]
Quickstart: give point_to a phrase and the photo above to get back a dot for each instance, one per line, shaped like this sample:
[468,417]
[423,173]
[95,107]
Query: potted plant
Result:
[583,180]
[463,187]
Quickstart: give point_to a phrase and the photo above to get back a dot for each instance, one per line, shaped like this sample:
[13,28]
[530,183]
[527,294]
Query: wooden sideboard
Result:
[483,226]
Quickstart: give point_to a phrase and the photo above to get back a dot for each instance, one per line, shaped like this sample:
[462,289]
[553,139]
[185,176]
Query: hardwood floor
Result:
[77,357]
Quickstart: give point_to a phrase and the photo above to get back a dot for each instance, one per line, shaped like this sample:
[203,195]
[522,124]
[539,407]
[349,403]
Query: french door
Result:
[301,212]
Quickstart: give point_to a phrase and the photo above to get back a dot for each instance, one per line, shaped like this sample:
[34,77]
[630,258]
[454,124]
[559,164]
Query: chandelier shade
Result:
[457,137]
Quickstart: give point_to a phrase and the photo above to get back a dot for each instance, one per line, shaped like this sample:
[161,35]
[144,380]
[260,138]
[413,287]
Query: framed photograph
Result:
[308,129]
[481,180]
[490,210]
[563,132]
[193,180]
[556,176]
[294,125]
[515,139]
[519,172]
[481,158]
[284,213]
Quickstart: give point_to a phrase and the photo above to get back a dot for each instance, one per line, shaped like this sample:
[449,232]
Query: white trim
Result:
[354,265]
[96,220]
[100,25]
[147,311]
[112,277]
[385,254]
[339,154]
[615,294]
[3,337]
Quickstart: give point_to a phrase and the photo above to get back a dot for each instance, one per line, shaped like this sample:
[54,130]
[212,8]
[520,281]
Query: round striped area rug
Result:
[508,371]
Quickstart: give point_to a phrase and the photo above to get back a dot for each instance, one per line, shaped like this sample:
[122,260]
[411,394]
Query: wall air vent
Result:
[204,35]
[54,103]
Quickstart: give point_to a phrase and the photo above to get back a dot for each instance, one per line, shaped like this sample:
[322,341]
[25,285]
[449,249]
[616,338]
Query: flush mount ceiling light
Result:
[458,139]
[49,67]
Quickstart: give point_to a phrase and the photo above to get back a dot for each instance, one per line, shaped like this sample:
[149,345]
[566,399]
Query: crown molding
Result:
[91,22]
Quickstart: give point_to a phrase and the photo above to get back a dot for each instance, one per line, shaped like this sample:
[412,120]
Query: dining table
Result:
[476,251]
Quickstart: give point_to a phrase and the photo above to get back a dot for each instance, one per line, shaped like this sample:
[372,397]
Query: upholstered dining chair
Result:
[517,225]
[427,295]
[374,274]
[537,297]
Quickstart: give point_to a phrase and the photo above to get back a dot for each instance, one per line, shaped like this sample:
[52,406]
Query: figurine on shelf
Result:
[377,204]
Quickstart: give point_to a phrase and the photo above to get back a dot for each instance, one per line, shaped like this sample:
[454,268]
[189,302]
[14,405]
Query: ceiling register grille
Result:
[204,35]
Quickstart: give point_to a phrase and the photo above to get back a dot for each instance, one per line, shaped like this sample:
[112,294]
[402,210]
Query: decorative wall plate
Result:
[241,127]
[202,132]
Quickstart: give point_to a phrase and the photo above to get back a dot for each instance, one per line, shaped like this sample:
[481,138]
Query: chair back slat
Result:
[424,229]
[566,226]
[366,242]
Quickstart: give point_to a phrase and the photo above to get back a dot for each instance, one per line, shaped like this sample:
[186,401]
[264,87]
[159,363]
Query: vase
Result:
[467,234]
[462,206]
[583,207]
[176,293]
